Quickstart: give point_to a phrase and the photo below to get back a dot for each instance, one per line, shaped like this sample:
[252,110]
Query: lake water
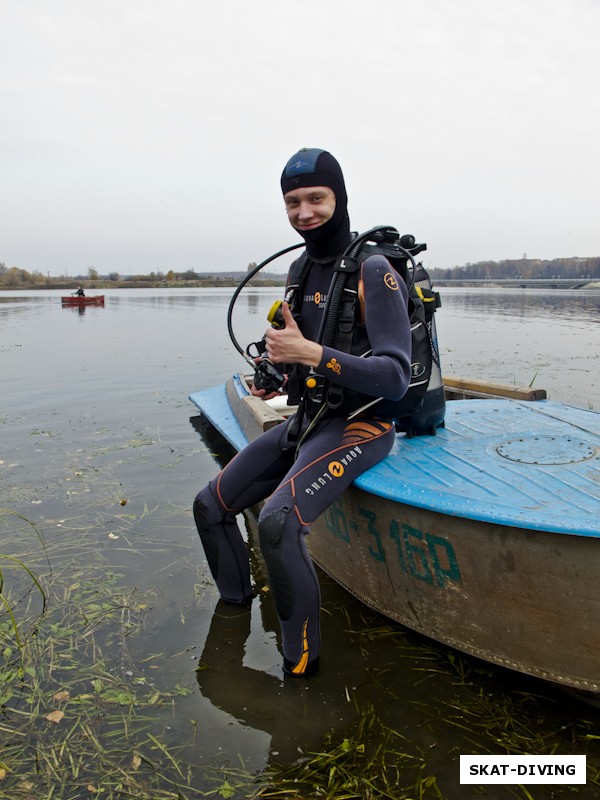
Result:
[103,452]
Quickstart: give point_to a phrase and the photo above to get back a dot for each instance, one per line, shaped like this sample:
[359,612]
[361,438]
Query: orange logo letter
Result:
[336,469]
[390,281]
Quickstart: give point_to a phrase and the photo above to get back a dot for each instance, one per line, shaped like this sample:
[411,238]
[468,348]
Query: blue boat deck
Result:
[213,403]
[523,464]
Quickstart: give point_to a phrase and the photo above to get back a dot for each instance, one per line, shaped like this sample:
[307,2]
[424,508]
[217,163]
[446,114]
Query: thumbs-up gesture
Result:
[289,346]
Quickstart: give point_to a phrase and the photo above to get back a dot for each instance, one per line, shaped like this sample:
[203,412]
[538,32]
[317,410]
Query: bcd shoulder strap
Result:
[297,275]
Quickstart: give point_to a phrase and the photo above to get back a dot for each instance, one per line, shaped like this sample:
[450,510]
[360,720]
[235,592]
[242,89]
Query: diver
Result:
[302,466]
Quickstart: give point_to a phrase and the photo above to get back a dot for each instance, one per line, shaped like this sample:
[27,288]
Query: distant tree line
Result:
[525,268]
[17,278]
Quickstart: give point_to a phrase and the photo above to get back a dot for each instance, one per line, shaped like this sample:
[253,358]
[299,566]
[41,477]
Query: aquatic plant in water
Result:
[9,596]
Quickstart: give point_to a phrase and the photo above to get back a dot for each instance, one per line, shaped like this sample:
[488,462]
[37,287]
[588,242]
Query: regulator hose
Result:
[239,288]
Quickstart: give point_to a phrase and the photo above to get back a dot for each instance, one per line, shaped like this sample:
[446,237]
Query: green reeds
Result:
[8,600]
[372,761]
[78,722]
[81,715]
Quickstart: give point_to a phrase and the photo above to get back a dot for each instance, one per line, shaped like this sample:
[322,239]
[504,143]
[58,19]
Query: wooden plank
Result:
[253,414]
[467,388]
[463,389]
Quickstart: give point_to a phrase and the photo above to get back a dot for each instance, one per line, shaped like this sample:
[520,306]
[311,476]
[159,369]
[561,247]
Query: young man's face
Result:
[309,207]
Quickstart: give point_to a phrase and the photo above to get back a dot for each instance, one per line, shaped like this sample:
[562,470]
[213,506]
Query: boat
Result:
[485,537]
[75,300]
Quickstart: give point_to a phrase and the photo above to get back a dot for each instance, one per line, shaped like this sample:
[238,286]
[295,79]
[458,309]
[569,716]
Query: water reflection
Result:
[10,305]
[80,307]
[236,676]
[252,303]
[168,300]
[523,303]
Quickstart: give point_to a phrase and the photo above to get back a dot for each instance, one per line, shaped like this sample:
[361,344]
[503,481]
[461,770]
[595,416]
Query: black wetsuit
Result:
[297,488]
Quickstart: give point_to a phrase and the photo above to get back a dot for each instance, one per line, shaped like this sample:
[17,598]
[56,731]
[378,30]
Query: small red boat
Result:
[77,300]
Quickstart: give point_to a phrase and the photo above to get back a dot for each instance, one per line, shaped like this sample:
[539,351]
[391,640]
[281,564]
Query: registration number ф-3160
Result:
[421,555]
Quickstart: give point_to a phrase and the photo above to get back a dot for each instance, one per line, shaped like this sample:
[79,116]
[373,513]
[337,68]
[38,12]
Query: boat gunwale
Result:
[96,299]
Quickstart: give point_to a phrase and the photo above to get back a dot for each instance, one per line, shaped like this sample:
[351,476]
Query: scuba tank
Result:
[430,414]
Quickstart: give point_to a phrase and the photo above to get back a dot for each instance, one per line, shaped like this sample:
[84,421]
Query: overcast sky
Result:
[138,135]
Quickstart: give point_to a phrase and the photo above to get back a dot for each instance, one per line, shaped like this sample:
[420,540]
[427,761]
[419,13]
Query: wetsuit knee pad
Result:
[270,533]
[207,510]
[270,529]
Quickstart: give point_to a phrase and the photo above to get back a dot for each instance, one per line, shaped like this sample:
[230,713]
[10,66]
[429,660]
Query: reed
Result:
[372,761]
[74,723]
[9,594]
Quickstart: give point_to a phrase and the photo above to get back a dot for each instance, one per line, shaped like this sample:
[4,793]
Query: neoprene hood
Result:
[313,167]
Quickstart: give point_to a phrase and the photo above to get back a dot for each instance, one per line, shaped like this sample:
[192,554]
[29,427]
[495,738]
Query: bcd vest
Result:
[422,408]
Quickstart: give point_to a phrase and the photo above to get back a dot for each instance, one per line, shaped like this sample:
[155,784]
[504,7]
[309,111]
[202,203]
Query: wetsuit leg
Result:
[328,461]
[223,545]
[293,581]
[252,475]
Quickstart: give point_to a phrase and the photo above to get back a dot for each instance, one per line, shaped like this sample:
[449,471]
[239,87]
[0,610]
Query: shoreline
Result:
[93,286]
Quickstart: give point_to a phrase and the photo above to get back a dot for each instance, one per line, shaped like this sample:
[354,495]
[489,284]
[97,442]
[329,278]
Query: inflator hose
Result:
[239,288]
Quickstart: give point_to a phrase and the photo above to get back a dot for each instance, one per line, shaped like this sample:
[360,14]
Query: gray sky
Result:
[139,135]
